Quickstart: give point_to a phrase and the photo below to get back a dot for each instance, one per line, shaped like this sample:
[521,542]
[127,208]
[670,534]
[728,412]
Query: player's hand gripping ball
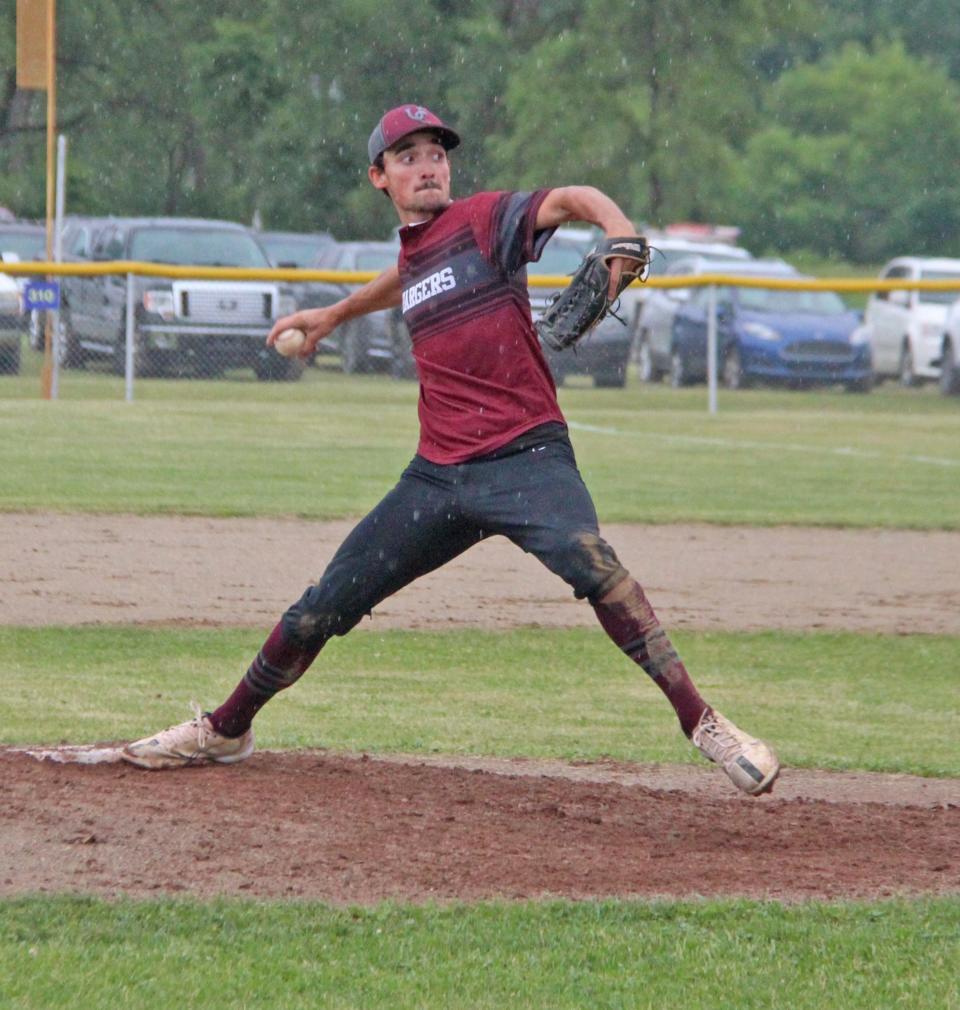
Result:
[290,342]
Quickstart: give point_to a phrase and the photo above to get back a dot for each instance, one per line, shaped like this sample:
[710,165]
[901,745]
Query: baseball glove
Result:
[586,300]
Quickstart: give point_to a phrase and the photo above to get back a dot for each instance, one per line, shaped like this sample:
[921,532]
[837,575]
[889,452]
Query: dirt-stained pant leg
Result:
[416,528]
[538,499]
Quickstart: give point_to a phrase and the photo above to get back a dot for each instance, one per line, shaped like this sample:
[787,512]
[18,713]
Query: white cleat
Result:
[190,743]
[751,764]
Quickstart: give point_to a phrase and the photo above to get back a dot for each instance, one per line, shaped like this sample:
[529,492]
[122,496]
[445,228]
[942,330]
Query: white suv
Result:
[905,328]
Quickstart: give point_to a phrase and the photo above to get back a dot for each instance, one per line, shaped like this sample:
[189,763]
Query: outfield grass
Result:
[74,952]
[841,701]
[330,446]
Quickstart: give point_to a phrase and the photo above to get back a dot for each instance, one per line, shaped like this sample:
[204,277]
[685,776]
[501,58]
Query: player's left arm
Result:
[588,204]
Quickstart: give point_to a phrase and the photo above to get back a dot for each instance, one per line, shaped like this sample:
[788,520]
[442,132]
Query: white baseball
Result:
[290,342]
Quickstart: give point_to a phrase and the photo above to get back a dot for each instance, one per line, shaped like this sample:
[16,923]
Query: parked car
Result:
[365,344]
[298,250]
[653,344]
[26,240]
[77,243]
[905,328]
[666,251]
[181,326]
[19,241]
[950,353]
[12,325]
[772,335]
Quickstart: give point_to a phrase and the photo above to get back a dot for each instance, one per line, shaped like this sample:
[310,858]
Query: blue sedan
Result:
[797,338]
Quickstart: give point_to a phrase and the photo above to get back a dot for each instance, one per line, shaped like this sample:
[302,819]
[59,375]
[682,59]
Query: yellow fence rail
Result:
[137,269]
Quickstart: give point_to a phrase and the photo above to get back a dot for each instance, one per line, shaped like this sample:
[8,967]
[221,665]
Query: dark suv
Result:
[294,249]
[182,326]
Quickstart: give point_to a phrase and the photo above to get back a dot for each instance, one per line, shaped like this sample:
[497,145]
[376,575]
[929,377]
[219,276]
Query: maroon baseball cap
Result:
[406,119]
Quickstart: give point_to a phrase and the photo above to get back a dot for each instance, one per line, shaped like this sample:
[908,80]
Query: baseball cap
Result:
[403,120]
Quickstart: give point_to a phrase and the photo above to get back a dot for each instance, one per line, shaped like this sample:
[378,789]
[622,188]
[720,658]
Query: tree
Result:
[648,100]
[861,161]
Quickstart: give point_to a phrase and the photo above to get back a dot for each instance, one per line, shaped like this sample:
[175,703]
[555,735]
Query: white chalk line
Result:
[728,443]
[73,755]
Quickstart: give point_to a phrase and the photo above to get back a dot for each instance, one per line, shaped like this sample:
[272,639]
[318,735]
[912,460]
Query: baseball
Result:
[290,342]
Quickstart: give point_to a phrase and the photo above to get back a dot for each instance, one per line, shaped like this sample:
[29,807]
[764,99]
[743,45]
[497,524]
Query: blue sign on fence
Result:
[42,295]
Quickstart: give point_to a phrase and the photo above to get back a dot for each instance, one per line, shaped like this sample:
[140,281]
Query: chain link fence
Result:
[121,322]
[150,325]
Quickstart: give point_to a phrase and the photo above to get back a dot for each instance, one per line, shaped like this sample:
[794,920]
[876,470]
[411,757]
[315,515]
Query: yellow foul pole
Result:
[51,78]
[37,70]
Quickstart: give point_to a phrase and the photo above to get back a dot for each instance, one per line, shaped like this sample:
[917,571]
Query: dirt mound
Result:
[89,569]
[350,829]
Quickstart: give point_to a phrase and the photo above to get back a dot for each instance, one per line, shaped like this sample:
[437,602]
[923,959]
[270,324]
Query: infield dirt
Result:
[352,828]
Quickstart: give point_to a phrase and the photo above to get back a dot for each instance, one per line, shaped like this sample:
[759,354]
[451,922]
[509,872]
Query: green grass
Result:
[840,701]
[75,952]
[330,446]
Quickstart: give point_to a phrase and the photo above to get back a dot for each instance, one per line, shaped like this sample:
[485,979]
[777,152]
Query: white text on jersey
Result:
[429,287]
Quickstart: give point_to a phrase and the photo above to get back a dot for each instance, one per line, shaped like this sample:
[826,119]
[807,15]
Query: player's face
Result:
[416,175]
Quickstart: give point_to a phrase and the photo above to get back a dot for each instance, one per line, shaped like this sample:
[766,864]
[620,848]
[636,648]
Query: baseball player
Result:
[494,456]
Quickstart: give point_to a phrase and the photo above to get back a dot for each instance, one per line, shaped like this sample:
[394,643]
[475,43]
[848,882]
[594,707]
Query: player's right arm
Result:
[382,292]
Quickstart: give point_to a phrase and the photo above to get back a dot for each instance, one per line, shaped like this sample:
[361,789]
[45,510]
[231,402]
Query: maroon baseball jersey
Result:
[483,377]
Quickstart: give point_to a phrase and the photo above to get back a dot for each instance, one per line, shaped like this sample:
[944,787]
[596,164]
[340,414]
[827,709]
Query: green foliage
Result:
[850,168]
[798,121]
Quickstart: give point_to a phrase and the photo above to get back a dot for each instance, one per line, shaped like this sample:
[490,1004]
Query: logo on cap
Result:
[418,113]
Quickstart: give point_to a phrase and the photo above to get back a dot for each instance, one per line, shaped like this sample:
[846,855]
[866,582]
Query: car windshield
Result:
[662,259]
[558,258]
[939,297]
[292,249]
[377,259]
[821,303]
[197,247]
[27,245]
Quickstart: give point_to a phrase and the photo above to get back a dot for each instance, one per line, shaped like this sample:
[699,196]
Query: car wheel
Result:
[733,377]
[142,365]
[69,352]
[646,366]
[679,375]
[615,379]
[863,385]
[353,353]
[10,358]
[949,371]
[269,366]
[907,375]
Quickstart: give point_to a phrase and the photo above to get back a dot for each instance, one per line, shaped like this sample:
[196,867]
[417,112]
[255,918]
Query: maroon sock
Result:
[633,626]
[234,716]
[278,664]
